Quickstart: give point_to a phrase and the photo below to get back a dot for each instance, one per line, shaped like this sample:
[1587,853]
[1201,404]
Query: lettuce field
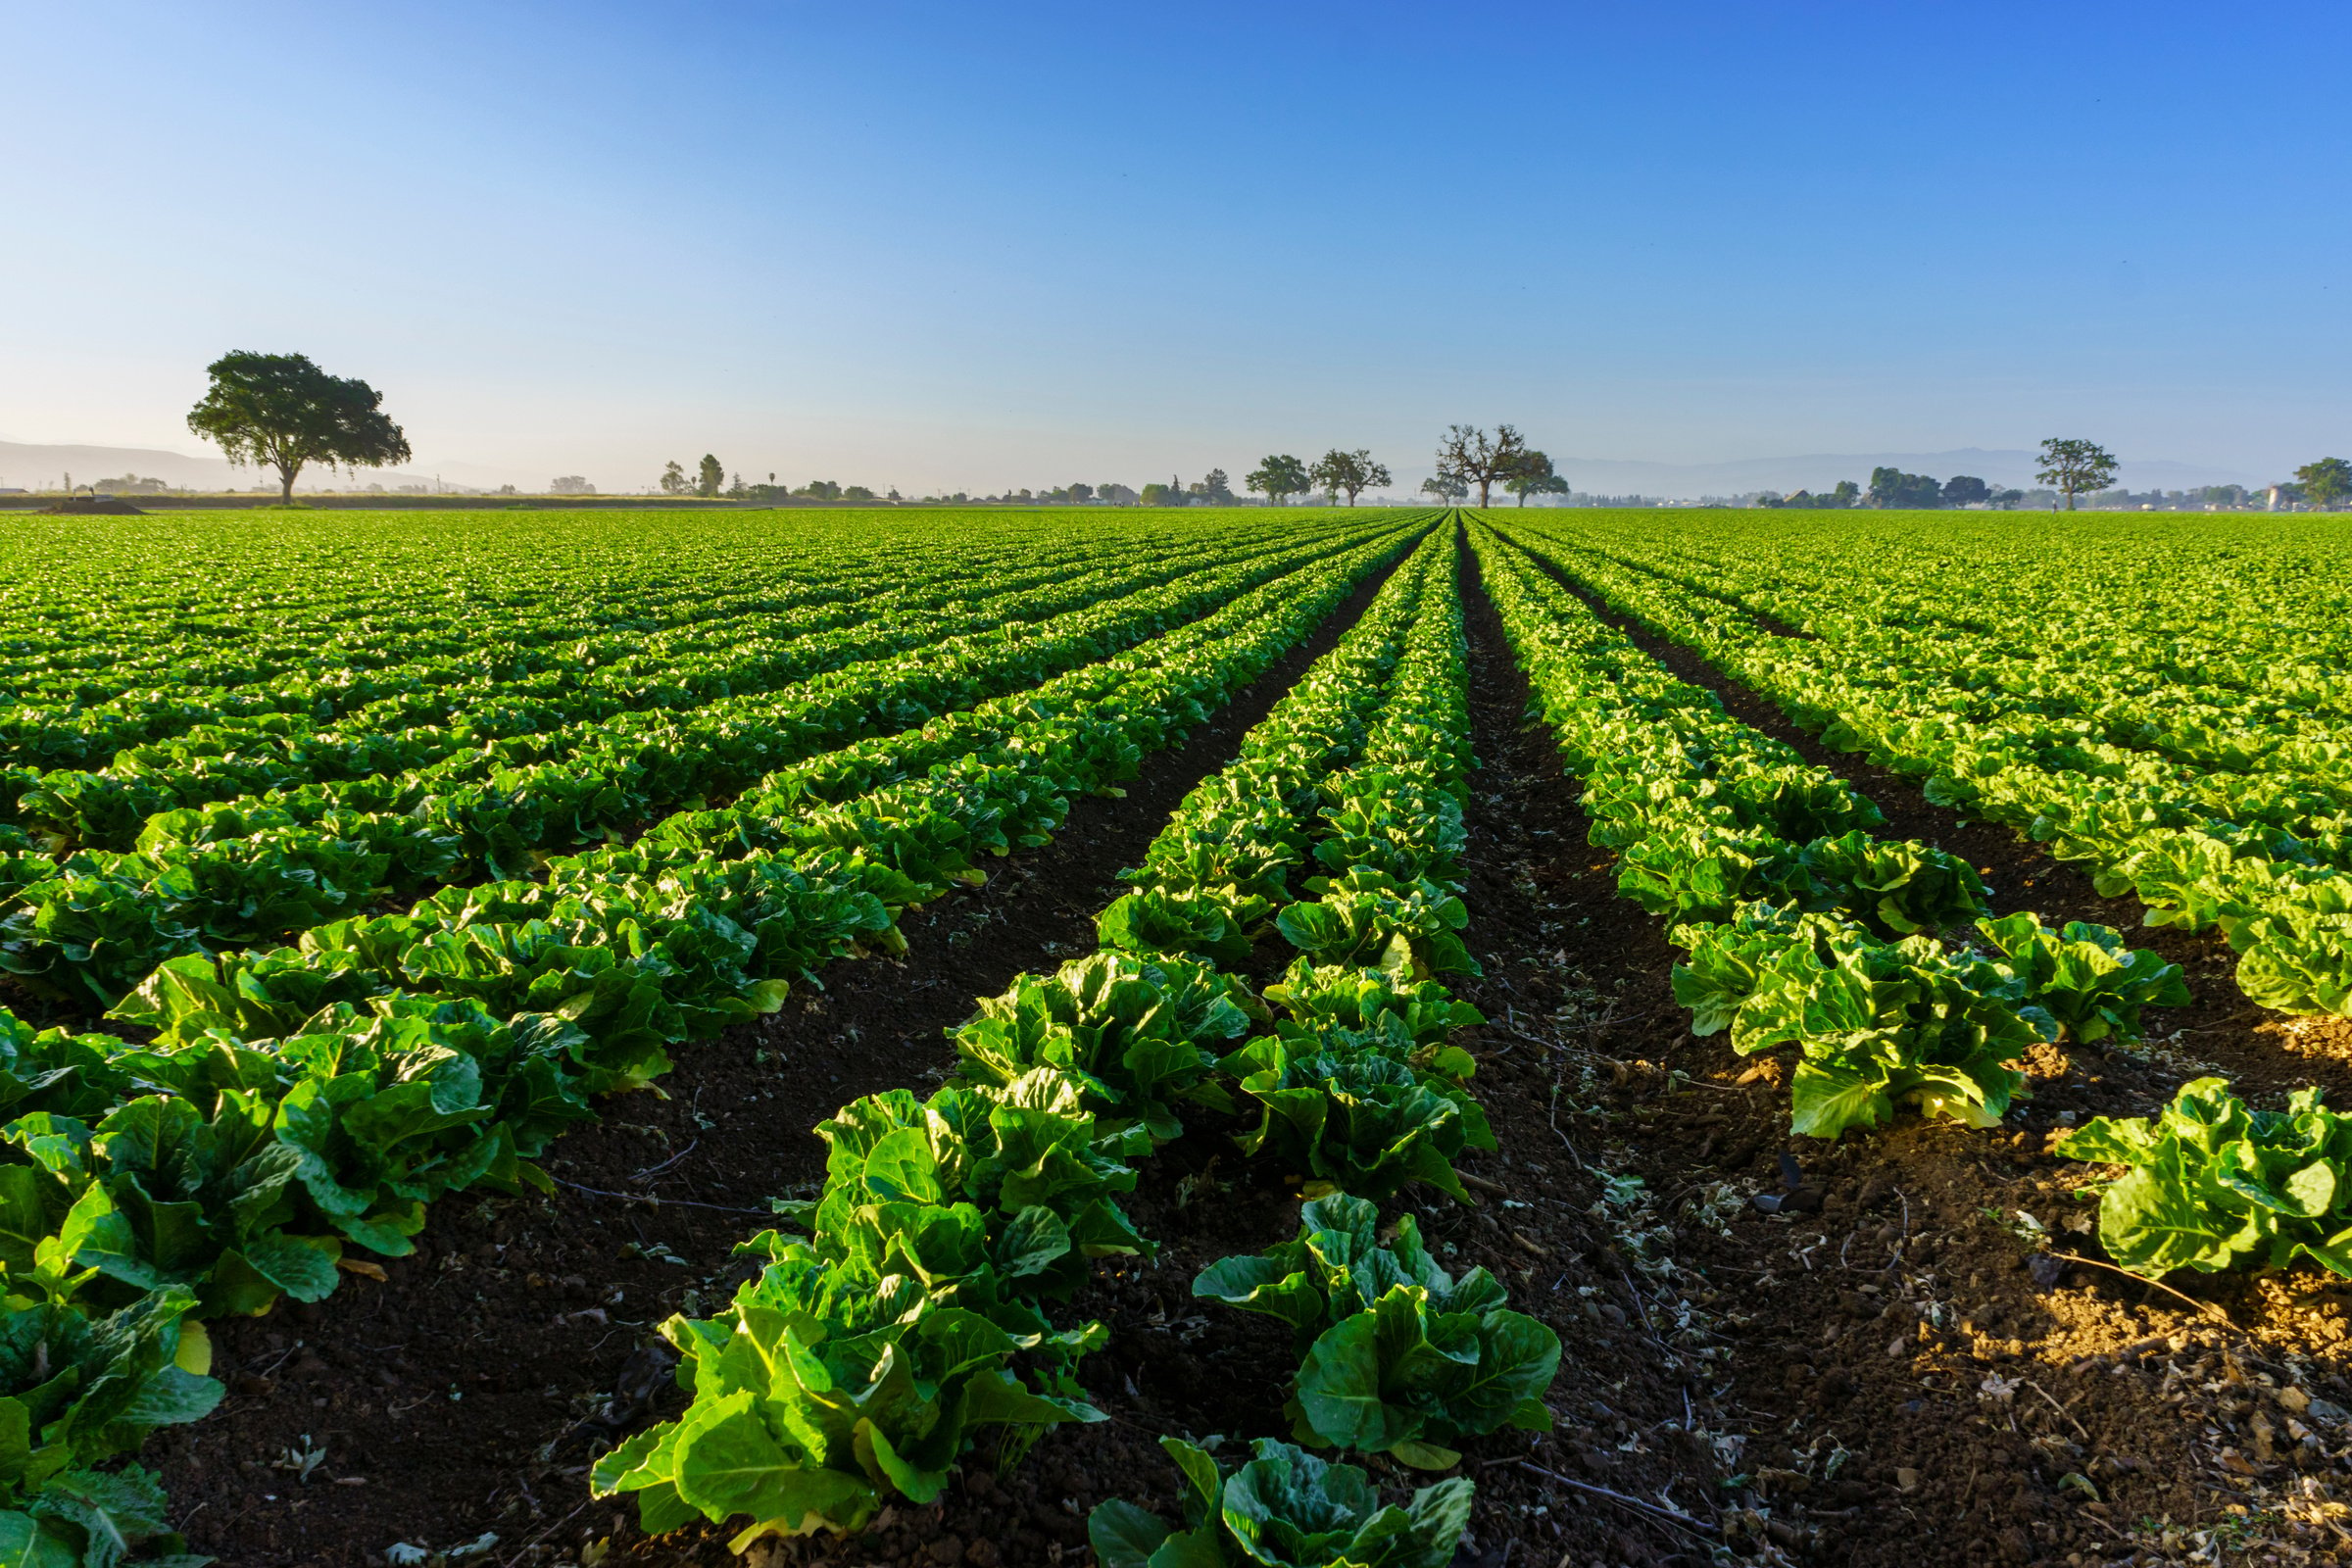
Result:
[1322,1037]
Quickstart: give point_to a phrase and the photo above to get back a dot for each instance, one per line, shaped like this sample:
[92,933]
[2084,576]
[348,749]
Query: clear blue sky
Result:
[971,246]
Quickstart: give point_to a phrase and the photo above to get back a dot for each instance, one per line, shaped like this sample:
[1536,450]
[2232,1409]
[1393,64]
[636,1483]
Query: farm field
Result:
[919,1037]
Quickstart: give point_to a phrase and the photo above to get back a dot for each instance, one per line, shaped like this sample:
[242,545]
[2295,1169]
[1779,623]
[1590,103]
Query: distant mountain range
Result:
[28,466]
[1611,476]
[33,466]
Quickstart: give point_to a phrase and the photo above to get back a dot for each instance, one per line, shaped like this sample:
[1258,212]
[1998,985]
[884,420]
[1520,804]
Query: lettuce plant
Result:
[1215,923]
[1399,1357]
[1337,1267]
[75,1391]
[2214,1184]
[1348,998]
[1406,1379]
[1367,917]
[1875,1023]
[2084,976]
[1140,1035]
[1364,1122]
[1387,819]
[1895,888]
[824,1391]
[1283,1508]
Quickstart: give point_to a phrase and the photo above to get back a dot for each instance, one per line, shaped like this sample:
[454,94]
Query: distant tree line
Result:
[1894,488]
[282,412]
[2069,466]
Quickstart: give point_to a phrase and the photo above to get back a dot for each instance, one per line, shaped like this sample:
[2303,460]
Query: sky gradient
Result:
[954,247]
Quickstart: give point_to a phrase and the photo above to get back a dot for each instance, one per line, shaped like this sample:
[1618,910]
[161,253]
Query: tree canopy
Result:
[1279,476]
[280,411]
[1534,477]
[1892,487]
[1471,456]
[1351,472]
[2074,467]
[2324,482]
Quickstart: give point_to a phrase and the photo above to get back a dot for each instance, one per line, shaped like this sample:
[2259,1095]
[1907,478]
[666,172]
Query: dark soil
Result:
[1901,1320]
[1876,1375]
[2268,1054]
[434,1392]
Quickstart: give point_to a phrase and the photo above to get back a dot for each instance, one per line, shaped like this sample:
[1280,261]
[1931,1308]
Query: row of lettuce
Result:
[904,1319]
[84,929]
[134,638]
[413,727]
[1803,931]
[907,1308]
[296,1104]
[1803,928]
[2220,808]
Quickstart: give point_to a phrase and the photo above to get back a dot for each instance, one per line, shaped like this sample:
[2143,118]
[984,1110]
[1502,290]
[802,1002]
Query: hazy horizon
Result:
[944,249]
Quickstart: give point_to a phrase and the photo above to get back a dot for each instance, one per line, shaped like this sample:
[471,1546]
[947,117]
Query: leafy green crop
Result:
[1139,1035]
[1370,918]
[2084,977]
[1401,1357]
[823,1392]
[2214,1184]
[1360,1120]
[75,1391]
[1874,1023]
[1283,1508]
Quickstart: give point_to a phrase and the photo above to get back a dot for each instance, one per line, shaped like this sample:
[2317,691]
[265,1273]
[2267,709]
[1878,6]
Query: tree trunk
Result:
[1523,498]
[285,484]
[1482,492]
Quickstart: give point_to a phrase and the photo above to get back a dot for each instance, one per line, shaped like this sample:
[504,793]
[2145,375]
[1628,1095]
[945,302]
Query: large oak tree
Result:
[2076,467]
[1279,476]
[280,411]
[1473,457]
[2324,482]
[1534,477]
[1351,472]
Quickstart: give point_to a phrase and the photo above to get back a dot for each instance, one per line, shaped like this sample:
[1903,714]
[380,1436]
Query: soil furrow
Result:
[2268,1054]
[430,1394]
[1633,1395]
[1886,1348]
[1875,1370]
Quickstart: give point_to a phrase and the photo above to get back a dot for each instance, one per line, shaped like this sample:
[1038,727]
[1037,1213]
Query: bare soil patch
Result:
[1877,1374]
[433,1393]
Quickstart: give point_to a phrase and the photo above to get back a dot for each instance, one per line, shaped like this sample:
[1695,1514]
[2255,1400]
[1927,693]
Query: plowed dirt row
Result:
[2010,1415]
[1876,1376]
[429,1399]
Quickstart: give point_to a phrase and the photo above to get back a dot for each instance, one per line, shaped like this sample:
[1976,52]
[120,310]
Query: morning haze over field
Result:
[1051,787]
[944,249]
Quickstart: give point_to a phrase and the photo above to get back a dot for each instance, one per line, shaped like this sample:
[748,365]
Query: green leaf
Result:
[28,1542]
[1123,1534]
